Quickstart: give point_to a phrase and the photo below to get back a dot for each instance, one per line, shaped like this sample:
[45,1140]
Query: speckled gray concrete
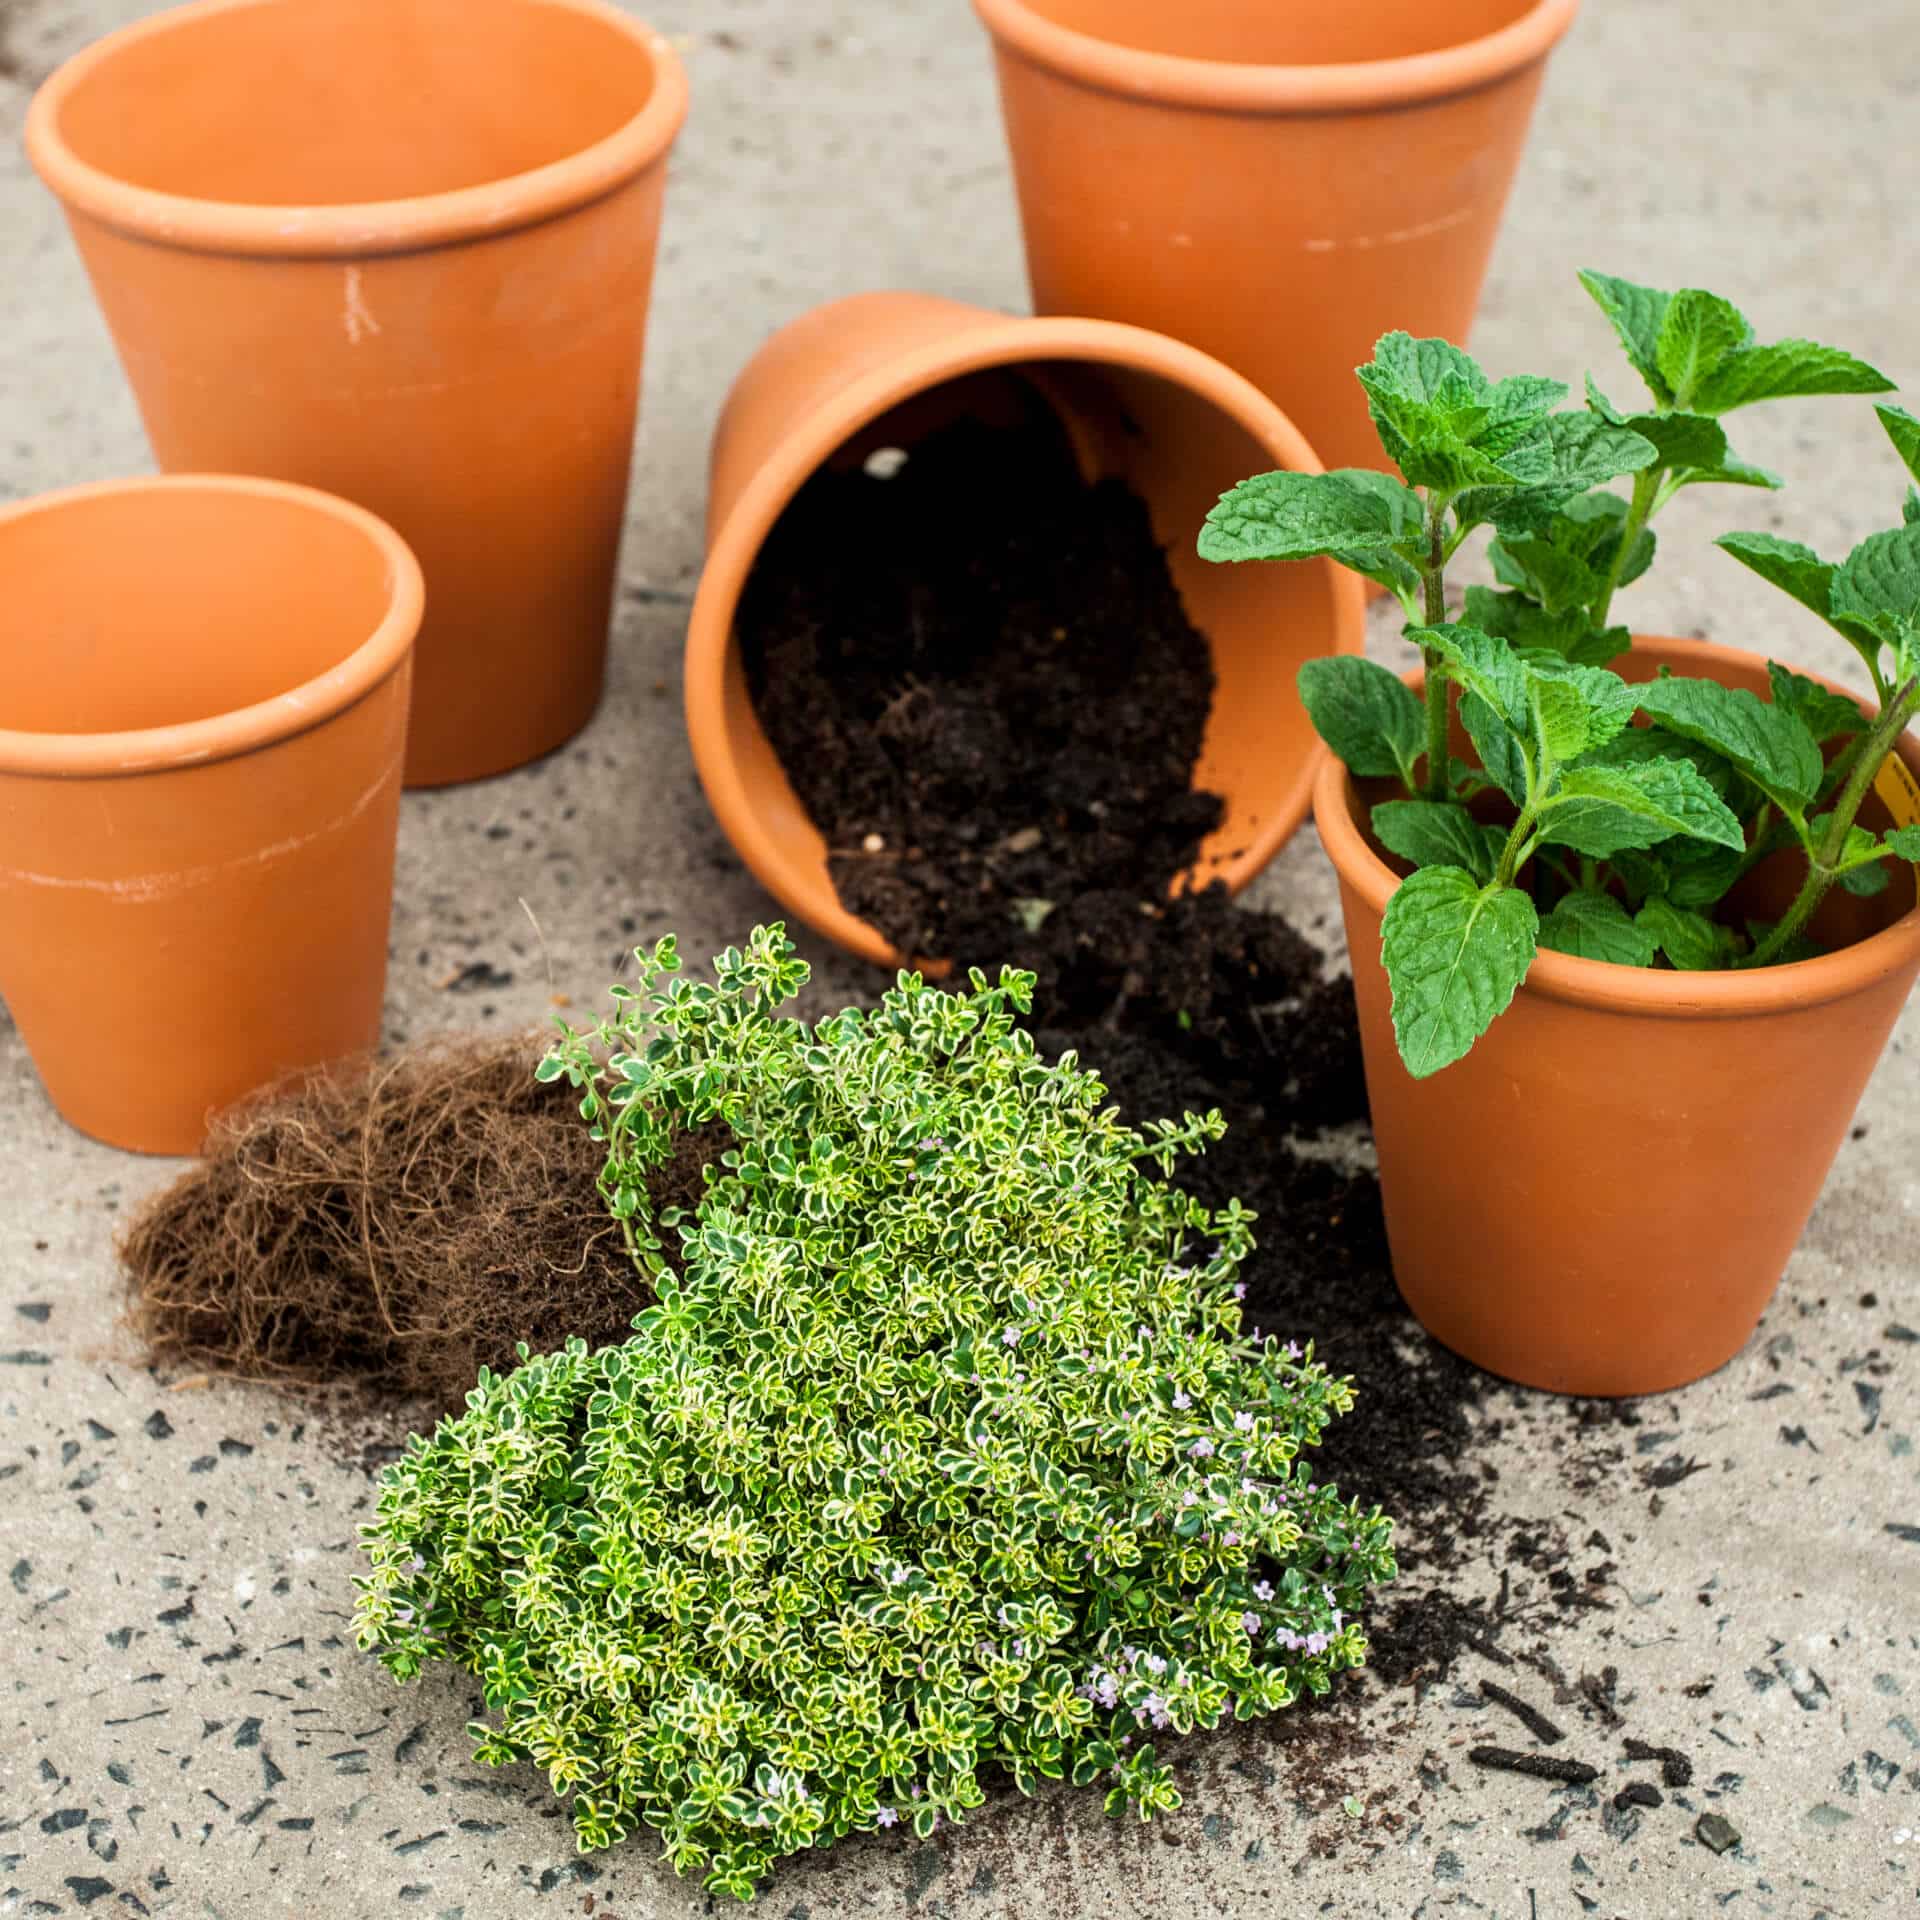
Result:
[184,1727]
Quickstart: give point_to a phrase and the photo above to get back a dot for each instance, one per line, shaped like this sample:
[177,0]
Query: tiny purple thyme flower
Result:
[1244,1421]
[1263,1589]
[1251,1622]
[1239,1289]
[885,1817]
[1201,1448]
[1182,1400]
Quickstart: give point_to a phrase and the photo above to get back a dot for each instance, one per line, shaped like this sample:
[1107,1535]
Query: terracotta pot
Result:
[401,250]
[203,713]
[885,369]
[1277,182]
[1601,1197]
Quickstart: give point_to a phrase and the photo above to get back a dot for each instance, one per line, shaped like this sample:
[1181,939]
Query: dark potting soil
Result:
[981,680]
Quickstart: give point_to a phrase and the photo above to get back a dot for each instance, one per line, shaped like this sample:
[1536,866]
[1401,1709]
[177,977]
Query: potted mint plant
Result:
[1631,918]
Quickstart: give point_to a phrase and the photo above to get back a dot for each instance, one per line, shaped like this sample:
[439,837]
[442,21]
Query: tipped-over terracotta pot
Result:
[1602,1196]
[401,250]
[1278,181]
[203,713]
[884,370]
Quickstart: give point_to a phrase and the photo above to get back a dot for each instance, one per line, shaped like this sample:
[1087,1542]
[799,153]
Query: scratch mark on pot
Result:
[1397,237]
[360,322]
[144,887]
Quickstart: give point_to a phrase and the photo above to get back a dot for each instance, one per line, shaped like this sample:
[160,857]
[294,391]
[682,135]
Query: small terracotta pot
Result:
[1601,1197]
[1277,182]
[886,369]
[401,250]
[203,713]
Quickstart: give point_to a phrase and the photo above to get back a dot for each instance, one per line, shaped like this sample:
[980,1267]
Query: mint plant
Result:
[947,1450]
[1605,820]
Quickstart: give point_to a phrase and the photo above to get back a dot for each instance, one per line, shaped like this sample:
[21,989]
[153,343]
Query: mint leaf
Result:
[1445,425]
[1699,873]
[1866,881]
[1362,520]
[1786,564]
[1904,431]
[1910,506]
[1528,628]
[1736,473]
[1595,926]
[1368,716]
[1601,810]
[1578,709]
[1690,940]
[1455,952]
[1638,315]
[1829,716]
[1770,745]
[1495,739]
[1878,585]
[1787,370]
[1433,833]
[1480,664]
[1678,439]
[1905,842]
[1697,333]
[1637,745]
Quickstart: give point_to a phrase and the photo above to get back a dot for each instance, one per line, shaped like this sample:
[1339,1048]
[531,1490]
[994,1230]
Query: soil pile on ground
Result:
[401,1225]
[982,683]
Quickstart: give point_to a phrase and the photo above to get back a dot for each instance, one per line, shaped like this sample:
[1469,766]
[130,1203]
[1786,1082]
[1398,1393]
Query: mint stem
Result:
[1823,867]
[1439,714]
[1646,488]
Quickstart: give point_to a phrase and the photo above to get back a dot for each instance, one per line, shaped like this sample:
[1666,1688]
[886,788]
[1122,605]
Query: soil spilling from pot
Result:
[399,1227]
[979,675]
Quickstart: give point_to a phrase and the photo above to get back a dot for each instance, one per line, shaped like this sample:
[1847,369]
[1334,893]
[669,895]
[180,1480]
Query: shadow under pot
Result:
[401,250]
[1601,1197]
[1277,181]
[885,372]
[203,715]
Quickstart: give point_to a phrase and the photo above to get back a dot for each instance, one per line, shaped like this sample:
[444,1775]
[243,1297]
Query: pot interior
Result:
[1285,33]
[334,102]
[164,605]
[1179,452]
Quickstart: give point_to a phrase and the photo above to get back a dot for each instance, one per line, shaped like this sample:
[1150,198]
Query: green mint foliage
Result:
[1636,811]
[948,1450]
[1771,745]
[1692,942]
[1601,811]
[1359,518]
[1437,833]
[1456,951]
[1368,716]
[1904,843]
[1596,926]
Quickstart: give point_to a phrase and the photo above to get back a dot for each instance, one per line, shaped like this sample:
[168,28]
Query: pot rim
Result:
[1637,990]
[362,228]
[1247,87]
[239,730]
[1011,341]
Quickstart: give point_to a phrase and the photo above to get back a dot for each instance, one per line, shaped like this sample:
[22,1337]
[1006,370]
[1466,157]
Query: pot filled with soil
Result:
[1647,1144]
[1276,184]
[202,729]
[952,653]
[401,250]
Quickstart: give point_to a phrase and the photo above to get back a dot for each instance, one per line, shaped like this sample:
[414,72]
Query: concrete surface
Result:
[184,1728]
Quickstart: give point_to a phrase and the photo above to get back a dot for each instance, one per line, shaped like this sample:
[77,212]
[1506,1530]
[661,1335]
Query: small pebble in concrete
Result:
[1638,1795]
[1717,1831]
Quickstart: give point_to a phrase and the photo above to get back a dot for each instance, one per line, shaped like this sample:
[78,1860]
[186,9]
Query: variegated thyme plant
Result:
[947,1452]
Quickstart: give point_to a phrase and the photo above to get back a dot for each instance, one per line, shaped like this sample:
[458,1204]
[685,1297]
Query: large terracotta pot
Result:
[1277,181]
[401,250]
[1601,1197]
[203,712]
[884,370]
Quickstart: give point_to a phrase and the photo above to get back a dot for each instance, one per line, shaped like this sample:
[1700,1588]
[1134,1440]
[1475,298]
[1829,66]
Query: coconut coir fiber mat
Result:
[401,1225]
[981,680]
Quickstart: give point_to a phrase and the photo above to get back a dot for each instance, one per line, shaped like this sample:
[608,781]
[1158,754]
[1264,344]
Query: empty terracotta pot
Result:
[1278,182]
[883,370]
[401,250]
[203,713]
[1602,1196]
